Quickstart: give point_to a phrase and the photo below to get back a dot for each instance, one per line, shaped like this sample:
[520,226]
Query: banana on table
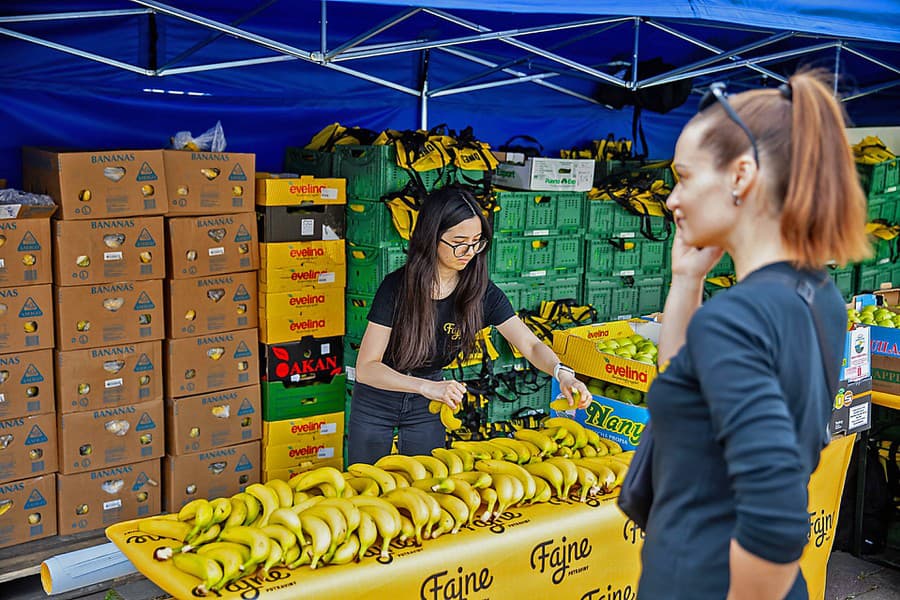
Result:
[324,516]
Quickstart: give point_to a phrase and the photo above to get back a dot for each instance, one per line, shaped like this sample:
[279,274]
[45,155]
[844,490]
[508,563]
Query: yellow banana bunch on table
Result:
[324,516]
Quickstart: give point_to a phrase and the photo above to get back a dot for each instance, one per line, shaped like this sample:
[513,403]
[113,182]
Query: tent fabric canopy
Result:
[141,70]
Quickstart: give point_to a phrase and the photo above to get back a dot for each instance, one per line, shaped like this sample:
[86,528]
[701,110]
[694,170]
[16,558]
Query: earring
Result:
[736,198]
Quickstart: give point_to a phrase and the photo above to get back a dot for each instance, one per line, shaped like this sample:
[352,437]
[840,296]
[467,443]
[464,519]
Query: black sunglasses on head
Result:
[716,93]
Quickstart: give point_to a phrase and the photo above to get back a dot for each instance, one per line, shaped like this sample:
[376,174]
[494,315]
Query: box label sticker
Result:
[112,504]
[35,499]
[30,309]
[241,351]
[113,383]
[143,364]
[328,428]
[31,375]
[859,416]
[243,464]
[237,173]
[307,227]
[146,173]
[144,239]
[241,293]
[325,348]
[111,256]
[36,436]
[246,408]
[242,235]
[145,423]
[325,453]
[144,302]
[219,251]
[326,277]
[329,193]
[141,480]
[29,243]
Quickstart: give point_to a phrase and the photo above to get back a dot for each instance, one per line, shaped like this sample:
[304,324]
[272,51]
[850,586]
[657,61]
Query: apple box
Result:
[577,348]
[617,421]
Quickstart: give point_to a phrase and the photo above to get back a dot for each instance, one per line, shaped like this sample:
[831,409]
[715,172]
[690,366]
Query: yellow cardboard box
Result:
[285,189]
[310,450]
[286,265]
[311,310]
[577,348]
[304,430]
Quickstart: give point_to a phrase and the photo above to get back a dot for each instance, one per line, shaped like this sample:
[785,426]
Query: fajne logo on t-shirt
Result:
[452,331]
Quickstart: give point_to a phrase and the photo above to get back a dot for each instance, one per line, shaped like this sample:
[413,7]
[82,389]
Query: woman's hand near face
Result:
[693,262]
[450,393]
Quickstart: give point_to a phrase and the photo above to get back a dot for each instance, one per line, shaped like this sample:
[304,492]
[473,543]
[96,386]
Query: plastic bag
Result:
[212,140]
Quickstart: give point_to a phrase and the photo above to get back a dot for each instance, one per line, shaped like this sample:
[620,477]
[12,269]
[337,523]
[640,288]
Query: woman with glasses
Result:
[741,408]
[423,316]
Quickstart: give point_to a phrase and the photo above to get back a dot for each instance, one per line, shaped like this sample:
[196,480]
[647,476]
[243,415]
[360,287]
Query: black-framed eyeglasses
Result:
[716,93]
[461,249]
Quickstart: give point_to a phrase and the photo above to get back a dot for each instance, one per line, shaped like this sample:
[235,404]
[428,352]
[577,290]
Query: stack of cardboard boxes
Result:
[28,446]
[301,308]
[108,270]
[213,410]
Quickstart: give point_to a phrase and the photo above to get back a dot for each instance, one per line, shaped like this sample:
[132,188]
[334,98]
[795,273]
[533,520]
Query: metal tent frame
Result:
[498,71]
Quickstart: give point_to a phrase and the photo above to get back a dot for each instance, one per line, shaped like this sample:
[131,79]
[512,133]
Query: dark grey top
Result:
[740,416]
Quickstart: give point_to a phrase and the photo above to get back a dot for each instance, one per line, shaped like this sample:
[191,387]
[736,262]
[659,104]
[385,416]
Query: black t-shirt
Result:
[495,308]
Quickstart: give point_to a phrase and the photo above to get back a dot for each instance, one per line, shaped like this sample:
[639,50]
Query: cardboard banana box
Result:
[25,251]
[26,384]
[208,421]
[211,304]
[204,183]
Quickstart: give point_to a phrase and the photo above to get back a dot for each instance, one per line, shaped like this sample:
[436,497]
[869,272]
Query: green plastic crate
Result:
[885,178]
[552,288]
[292,402]
[309,162]
[547,212]
[367,266]
[351,351]
[512,289]
[624,297]
[357,306]
[874,277]
[369,224]
[607,219]
[372,171]
[845,280]
[884,207]
[883,252]
[536,256]
[625,256]
[524,403]
[723,267]
[505,256]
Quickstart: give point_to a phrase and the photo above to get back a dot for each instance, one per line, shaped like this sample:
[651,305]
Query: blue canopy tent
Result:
[131,73]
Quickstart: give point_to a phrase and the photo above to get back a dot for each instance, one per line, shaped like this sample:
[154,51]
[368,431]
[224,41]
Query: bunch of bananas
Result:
[324,516]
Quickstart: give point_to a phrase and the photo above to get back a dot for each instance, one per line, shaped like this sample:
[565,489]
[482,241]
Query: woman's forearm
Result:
[379,375]
[684,298]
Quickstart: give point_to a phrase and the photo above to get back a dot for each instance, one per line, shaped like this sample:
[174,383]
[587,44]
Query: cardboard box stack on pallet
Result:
[27,409]
[212,396]
[108,270]
[302,278]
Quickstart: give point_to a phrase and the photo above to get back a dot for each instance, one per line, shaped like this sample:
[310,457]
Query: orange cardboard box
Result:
[26,384]
[106,250]
[109,437]
[28,447]
[97,499]
[224,418]
[105,314]
[25,253]
[110,376]
[208,305]
[211,474]
[97,185]
[32,510]
[26,318]
[206,363]
[212,245]
[204,183]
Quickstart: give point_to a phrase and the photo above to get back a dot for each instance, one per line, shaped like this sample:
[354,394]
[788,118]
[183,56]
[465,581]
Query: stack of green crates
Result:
[626,273]
[883,268]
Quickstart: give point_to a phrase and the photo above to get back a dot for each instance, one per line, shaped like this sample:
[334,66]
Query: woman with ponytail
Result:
[423,316]
[741,407]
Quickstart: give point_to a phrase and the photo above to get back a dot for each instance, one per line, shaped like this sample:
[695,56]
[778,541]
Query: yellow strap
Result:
[882,231]
[403,217]
[325,135]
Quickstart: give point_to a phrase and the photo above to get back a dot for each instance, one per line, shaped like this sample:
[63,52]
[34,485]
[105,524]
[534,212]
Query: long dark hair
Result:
[414,331]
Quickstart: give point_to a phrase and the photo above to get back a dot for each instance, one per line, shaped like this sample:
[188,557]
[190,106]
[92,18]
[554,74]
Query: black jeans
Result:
[374,413]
